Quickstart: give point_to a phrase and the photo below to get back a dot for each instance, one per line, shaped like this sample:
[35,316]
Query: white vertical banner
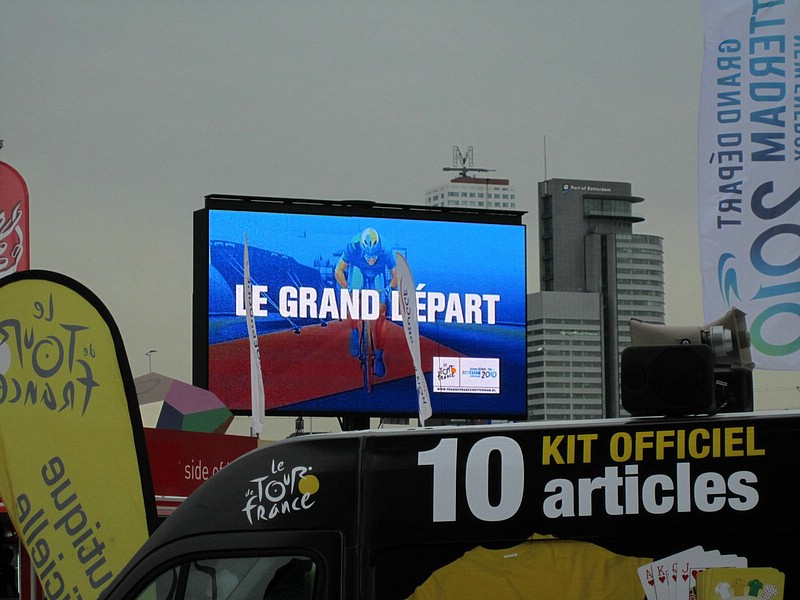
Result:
[749,172]
[256,378]
[408,309]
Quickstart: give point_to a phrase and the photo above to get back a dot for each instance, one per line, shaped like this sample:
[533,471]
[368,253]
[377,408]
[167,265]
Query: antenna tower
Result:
[463,163]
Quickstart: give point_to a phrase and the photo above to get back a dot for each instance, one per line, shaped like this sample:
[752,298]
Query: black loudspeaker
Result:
[670,380]
[734,389]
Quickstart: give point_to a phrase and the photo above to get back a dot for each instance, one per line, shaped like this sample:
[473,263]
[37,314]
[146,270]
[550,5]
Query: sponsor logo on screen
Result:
[464,375]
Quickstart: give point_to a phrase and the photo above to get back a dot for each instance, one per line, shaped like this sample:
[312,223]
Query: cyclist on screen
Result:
[367,254]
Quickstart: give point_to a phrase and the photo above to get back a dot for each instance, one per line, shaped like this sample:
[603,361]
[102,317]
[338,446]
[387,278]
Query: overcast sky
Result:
[123,115]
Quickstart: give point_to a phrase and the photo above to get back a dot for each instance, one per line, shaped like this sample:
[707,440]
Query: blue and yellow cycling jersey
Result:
[354,257]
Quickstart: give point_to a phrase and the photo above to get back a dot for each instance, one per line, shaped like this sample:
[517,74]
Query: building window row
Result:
[570,374]
[640,281]
[535,361]
[589,329]
[630,250]
[575,322]
[656,272]
[478,195]
[603,206]
[625,260]
[478,203]
[647,303]
[626,292]
[643,238]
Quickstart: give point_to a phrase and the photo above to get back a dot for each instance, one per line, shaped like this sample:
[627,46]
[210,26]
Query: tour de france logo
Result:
[47,361]
[281,491]
[446,371]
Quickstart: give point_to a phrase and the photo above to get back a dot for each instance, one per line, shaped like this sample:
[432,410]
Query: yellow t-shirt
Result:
[543,568]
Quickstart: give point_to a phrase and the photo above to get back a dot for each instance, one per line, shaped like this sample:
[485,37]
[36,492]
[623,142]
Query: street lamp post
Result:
[149,355]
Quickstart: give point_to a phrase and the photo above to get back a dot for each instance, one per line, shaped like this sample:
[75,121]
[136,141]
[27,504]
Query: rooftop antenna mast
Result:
[463,163]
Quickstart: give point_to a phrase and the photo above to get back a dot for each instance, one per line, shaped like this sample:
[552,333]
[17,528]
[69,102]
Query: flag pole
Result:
[408,308]
[256,376]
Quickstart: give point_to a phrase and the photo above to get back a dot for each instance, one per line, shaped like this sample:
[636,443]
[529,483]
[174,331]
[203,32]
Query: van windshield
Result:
[236,578]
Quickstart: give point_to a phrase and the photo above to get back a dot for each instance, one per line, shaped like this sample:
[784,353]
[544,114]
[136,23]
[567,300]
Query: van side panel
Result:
[291,491]
[643,488]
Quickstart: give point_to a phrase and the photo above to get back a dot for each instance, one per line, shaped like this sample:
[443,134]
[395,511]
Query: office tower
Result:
[595,274]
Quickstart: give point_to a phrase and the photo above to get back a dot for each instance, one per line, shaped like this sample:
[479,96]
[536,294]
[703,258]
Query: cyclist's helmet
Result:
[370,243]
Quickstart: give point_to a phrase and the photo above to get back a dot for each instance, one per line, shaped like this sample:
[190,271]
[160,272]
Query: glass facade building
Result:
[595,275]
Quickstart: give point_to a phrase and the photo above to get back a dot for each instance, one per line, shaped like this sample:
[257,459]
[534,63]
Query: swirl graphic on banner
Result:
[13,221]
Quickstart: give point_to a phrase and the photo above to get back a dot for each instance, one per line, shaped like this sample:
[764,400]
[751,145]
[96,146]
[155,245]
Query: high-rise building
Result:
[565,358]
[595,274]
[473,192]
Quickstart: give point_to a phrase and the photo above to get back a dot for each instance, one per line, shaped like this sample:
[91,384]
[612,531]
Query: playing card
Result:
[708,561]
[648,582]
[655,576]
[687,585]
[679,571]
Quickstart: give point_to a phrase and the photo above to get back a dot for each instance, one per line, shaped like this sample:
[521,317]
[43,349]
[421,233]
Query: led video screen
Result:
[328,318]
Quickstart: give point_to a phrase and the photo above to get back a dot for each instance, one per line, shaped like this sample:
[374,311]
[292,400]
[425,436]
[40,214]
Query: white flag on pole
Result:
[408,309]
[748,177]
[256,378]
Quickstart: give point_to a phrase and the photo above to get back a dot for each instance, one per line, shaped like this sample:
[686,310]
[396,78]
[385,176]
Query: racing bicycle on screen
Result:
[366,353]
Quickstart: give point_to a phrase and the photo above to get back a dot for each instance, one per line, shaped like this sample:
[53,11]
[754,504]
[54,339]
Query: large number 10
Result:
[443,459]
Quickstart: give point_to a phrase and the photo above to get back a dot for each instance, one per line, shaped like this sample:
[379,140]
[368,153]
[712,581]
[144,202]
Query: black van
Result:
[640,508]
